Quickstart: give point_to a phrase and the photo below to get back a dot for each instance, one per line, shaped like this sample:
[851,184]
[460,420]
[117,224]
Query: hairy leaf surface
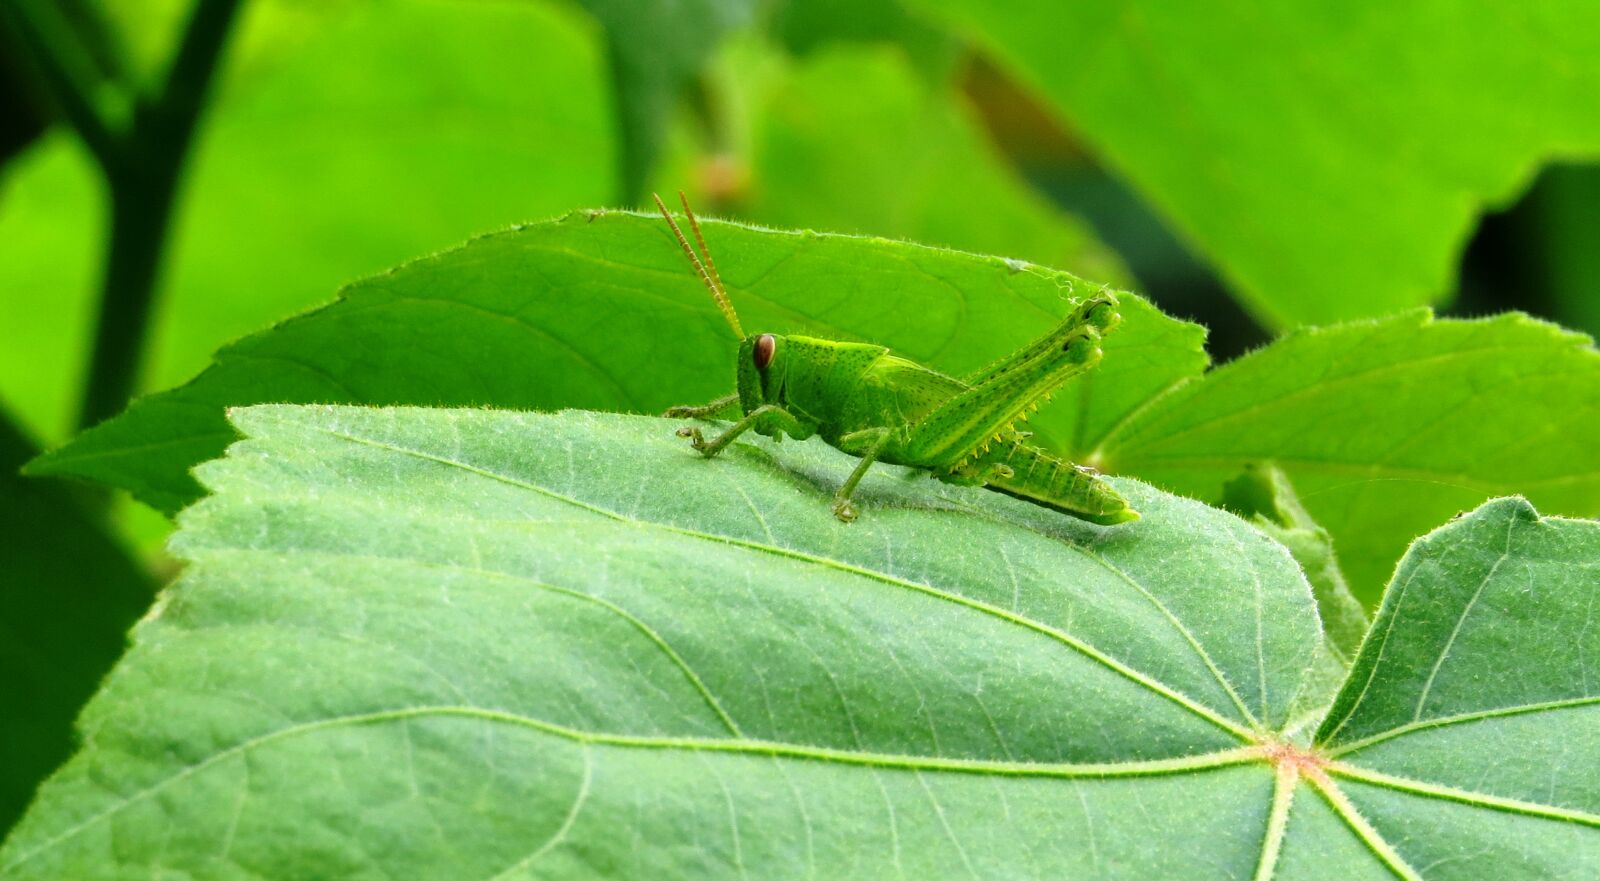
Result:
[505,645]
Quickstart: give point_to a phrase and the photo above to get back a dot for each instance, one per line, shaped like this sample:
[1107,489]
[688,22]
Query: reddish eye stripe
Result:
[765,346]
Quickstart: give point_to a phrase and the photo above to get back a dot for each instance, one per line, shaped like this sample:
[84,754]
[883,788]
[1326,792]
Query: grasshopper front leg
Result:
[784,420]
[705,411]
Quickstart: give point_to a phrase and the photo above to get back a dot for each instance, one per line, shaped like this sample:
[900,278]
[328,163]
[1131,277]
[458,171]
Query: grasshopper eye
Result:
[766,344]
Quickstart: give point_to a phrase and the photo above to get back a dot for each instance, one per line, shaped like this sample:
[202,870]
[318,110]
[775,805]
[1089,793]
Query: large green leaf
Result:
[476,643]
[380,134]
[600,310]
[68,594]
[1385,428]
[1479,686]
[1330,159]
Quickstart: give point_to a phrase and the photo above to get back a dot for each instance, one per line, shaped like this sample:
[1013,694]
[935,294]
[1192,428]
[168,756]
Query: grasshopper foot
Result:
[696,440]
[844,510]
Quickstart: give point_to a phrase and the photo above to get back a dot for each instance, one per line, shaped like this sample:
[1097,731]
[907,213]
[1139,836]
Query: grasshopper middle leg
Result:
[867,443]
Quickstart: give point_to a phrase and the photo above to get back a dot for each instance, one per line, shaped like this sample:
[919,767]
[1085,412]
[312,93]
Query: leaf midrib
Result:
[774,749]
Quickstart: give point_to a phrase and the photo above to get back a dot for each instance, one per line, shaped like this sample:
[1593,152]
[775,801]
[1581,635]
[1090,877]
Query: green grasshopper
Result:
[875,405]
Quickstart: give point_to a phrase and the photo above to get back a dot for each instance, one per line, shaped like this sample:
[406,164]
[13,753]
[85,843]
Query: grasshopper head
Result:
[761,370]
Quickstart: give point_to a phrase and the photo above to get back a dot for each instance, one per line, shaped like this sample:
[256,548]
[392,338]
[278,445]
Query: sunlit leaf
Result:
[479,643]
[1387,426]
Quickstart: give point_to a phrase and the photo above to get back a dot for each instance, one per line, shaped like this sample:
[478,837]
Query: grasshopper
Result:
[868,402]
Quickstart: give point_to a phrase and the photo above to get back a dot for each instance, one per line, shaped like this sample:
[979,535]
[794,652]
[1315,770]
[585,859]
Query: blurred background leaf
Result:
[1563,244]
[853,139]
[69,595]
[804,26]
[1330,160]
[655,49]
[391,131]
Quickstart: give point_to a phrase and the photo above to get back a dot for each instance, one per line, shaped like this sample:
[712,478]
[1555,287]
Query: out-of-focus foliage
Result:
[1565,240]
[1330,159]
[386,132]
[68,595]
[852,139]
[656,49]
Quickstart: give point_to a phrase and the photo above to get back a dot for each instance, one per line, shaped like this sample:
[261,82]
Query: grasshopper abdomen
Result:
[1032,474]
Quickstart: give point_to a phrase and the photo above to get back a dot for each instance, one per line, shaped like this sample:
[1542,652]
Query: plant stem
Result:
[143,171]
[55,54]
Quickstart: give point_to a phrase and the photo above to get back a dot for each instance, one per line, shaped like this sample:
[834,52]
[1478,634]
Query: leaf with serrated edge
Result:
[432,643]
[599,310]
[1387,427]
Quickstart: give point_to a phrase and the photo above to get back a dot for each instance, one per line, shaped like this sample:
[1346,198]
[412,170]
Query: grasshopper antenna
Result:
[710,277]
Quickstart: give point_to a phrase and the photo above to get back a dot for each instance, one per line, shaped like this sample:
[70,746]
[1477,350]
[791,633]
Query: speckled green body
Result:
[875,405]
